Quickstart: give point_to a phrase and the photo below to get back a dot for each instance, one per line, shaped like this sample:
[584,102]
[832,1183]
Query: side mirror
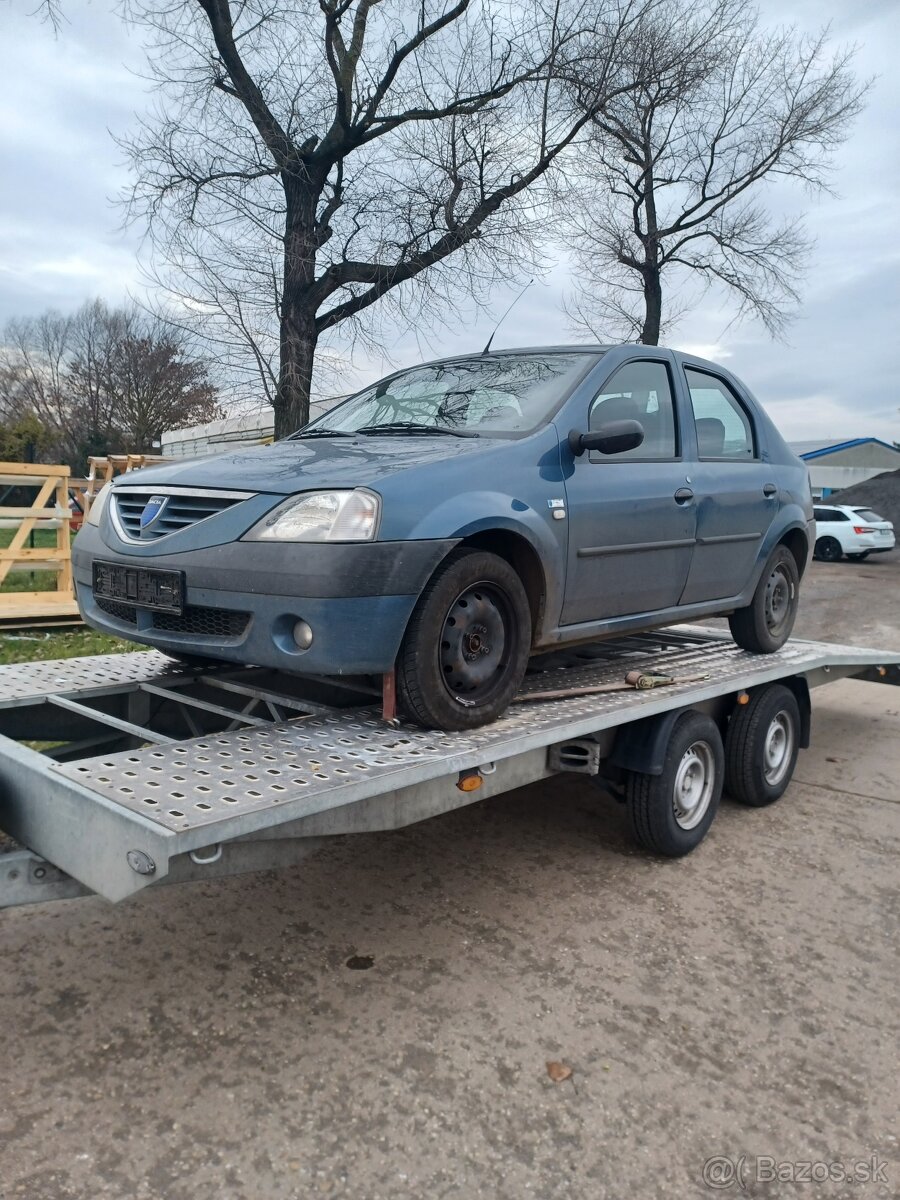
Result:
[615,437]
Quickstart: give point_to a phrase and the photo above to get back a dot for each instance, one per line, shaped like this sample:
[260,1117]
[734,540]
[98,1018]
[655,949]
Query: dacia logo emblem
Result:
[152,511]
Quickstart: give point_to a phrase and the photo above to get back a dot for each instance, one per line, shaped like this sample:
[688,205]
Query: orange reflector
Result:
[469,781]
[743,698]
[882,671]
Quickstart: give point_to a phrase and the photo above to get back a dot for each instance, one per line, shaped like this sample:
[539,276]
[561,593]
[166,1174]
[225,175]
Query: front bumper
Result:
[243,599]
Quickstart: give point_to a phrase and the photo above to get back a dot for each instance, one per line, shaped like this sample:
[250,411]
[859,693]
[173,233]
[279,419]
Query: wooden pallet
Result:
[49,510]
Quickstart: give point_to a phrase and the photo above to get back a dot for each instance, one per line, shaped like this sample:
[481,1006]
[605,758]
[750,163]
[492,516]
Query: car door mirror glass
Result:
[614,437]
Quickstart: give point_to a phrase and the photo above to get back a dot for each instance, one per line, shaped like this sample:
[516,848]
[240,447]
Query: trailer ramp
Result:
[122,771]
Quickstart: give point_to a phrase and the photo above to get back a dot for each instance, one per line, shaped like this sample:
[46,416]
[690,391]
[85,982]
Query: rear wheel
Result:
[671,813]
[861,556]
[466,647]
[761,746]
[828,549]
[766,623]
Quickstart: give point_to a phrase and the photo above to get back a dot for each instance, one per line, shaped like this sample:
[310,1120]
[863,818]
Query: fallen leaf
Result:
[558,1071]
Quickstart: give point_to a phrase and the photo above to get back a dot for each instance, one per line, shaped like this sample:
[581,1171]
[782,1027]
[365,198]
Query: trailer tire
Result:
[766,623]
[761,746]
[670,813]
[466,647]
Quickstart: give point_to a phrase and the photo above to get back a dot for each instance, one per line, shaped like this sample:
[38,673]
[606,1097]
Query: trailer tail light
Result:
[862,529]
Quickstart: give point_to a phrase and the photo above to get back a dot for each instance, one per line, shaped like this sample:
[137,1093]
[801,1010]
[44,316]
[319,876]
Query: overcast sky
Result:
[61,241]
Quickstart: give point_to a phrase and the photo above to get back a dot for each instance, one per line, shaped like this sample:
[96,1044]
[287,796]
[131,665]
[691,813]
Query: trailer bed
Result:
[242,768]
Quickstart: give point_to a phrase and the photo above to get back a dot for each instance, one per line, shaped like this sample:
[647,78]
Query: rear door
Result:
[631,527]
[735,492]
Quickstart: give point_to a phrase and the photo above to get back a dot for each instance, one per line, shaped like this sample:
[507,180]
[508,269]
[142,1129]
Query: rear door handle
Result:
[683,495]
[770,490]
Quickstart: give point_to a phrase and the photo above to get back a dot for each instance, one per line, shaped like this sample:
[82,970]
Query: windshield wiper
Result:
[320,432]
[414,427]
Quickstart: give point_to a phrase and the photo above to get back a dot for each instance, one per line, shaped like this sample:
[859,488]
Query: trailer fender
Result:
[641,745]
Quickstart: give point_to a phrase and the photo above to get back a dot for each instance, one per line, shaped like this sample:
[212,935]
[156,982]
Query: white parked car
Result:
[856,532]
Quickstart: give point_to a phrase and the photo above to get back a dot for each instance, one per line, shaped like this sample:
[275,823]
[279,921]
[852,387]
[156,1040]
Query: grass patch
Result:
[34,645]
[30,581]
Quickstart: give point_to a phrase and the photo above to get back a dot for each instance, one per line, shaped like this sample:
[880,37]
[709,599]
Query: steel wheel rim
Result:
[778,748]
[478,640]
[695,781]
[779,599]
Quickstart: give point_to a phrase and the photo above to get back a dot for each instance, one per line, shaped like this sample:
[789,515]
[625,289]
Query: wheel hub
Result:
[779,594]
[476,641]
[778,748]
[694,784]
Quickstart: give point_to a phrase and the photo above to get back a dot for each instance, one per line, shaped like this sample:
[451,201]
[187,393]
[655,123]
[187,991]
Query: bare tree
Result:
[670,190]
[313,159]
[101,379]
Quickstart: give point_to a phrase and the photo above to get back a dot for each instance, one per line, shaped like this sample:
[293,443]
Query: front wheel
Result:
[466,648]
[671,813]
[766,623]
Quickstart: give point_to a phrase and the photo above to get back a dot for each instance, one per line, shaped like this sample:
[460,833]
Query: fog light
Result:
[302,635]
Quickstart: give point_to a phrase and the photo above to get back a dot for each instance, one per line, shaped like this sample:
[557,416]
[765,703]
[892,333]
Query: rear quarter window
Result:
[866,514]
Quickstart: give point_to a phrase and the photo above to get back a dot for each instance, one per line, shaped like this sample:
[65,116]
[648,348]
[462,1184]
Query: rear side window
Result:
[829,514]
[639,391]
[867,515]
[724,428]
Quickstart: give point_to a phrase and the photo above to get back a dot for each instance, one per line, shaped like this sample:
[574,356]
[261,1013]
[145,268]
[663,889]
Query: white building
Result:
[835,465]
[252,429]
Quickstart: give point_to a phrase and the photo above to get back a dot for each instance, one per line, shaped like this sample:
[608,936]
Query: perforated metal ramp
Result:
[296,767]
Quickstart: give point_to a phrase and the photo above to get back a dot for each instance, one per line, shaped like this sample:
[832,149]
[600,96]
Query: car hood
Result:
[294,466]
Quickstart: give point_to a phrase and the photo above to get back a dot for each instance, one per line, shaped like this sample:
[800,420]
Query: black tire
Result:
[828,549]
[766,623]
[761,746]
[660,819]
[466,647]
[860,557]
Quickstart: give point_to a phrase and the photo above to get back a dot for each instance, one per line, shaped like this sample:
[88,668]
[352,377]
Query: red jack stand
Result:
[389,697]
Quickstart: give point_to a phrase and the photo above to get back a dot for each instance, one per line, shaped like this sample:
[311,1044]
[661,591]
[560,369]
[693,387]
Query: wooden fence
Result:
[49,511]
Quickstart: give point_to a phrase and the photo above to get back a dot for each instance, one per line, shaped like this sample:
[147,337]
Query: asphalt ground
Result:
[737,1008]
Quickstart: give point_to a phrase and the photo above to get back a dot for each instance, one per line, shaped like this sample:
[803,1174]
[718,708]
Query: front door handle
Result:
[683,495]
[770,490]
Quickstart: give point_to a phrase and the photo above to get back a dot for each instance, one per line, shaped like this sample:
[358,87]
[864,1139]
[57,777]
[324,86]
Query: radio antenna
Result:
[506,314]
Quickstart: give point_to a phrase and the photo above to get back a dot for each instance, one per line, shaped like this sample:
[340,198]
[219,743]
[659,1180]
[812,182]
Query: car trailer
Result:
[125,771]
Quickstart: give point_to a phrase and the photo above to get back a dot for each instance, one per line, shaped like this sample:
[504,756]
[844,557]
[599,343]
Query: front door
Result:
[630,516]
[736,496]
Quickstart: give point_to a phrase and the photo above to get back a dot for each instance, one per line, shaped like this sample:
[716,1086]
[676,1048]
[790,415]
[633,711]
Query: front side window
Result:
[724,429]
[498,395]
[639,391]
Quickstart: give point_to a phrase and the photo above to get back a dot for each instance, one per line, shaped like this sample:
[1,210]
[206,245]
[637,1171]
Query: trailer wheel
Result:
[761,746]
[766,623]
[671,812]
[466,648]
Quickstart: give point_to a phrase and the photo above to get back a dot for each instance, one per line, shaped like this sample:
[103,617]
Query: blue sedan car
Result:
[459,516]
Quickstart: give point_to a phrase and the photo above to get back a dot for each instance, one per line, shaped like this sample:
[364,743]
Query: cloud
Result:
[61,240]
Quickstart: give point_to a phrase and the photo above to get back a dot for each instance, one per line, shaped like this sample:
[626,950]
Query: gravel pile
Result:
[881,494]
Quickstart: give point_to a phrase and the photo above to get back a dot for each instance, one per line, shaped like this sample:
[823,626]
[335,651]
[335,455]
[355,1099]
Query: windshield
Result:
[501,395]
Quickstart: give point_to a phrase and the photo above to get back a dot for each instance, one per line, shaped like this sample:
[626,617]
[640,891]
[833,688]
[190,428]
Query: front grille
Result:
[180,510]
[121,612]
[208,622]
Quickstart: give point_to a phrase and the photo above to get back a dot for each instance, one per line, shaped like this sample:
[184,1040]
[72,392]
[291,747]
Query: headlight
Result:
[321,517]
[95,512]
